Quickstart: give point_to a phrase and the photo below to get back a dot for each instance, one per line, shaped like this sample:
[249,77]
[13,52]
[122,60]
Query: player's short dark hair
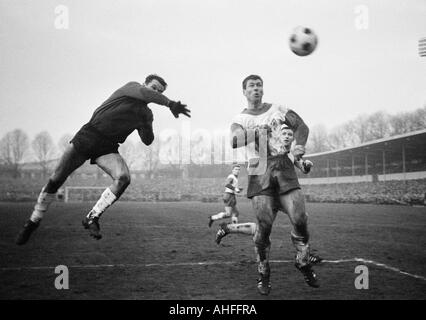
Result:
[235,165]
[251,77]
[151,77]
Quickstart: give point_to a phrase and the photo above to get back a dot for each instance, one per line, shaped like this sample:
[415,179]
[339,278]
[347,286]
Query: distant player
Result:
[229,199]
[123,112]
[249,228]
[273,183]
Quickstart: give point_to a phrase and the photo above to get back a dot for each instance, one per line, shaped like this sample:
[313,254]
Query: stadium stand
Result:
[385,171]
[401,157]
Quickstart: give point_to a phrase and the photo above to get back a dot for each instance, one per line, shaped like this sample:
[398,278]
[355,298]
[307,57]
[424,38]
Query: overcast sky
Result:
[52,79]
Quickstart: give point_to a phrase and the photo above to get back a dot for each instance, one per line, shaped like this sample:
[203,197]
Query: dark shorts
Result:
[90,143]
[229,199]
[279,178]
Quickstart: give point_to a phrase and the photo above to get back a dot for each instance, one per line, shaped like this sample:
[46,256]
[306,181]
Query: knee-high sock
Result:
[43,202]
[262,257]
[106,200]
[262,249]
[248,228]
[220,215]
[301,243]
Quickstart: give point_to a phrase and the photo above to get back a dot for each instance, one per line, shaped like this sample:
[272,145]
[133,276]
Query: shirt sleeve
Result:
[229,182]
[137,91]
[148,117]
[238,120]
[301,130]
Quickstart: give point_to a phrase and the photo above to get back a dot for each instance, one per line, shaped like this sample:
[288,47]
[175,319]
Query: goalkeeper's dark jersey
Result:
[126,110]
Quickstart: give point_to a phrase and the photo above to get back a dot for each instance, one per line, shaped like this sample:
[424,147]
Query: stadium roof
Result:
[392,145]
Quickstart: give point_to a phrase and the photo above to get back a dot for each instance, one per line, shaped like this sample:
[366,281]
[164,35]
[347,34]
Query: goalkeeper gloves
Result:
[178,108]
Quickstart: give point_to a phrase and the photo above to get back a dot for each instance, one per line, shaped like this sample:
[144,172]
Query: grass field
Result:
[166,251]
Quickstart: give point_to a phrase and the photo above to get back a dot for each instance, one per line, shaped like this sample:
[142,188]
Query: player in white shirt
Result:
[273,185]
[249,228]
[229,199]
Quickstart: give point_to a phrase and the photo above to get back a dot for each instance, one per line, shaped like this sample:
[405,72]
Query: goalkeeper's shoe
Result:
[314,259]
[210,221]
[26,231]
[222,232]
[309,275]
[92,224]
[263,284]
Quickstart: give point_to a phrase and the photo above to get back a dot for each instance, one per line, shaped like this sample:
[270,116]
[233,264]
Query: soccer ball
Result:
[303,41]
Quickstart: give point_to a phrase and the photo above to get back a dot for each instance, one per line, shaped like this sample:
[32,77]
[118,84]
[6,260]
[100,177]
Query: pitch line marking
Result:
[210,263]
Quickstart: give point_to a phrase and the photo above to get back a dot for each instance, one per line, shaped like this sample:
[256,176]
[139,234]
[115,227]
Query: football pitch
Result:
[165,250]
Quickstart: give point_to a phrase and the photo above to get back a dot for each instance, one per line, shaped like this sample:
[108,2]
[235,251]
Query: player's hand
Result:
[178,108]
[298,152]
[307,165]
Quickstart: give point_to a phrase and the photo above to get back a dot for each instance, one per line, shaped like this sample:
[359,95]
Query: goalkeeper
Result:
[123,112]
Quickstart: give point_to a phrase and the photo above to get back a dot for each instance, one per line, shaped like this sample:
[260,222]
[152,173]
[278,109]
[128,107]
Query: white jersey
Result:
[233,181]
[274,117]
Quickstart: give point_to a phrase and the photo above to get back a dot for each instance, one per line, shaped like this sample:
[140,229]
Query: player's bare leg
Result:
[248,228]
[115,166]
[265,215]
[69,162]
[293,203]
[221,215]
[234,214]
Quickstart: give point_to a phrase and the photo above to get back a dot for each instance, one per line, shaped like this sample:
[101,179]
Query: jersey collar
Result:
[264,109]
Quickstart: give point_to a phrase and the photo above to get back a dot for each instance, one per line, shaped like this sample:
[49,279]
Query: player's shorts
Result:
[92,144]
[279,178]
[229,199]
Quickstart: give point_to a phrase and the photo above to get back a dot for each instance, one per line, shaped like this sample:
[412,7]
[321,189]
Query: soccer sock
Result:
[262,248]
[302,249]
[43,202]
[263,259]
[248,228]
[220,215]
[107,199]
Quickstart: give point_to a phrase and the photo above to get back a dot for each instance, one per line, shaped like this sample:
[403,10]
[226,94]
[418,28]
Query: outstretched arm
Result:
[137,91]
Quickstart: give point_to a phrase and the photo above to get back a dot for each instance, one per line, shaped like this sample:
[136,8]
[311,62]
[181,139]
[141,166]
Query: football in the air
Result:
[303,41]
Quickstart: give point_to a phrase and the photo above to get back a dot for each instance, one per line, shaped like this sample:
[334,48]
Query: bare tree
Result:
[419,119]
[404,122]
[149,157]
[336,138]
[399,123]
[13,147]
[360,128]
[129,152]
[318,139]
[64,141]
[343,136]
[44,149]
[378,126]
